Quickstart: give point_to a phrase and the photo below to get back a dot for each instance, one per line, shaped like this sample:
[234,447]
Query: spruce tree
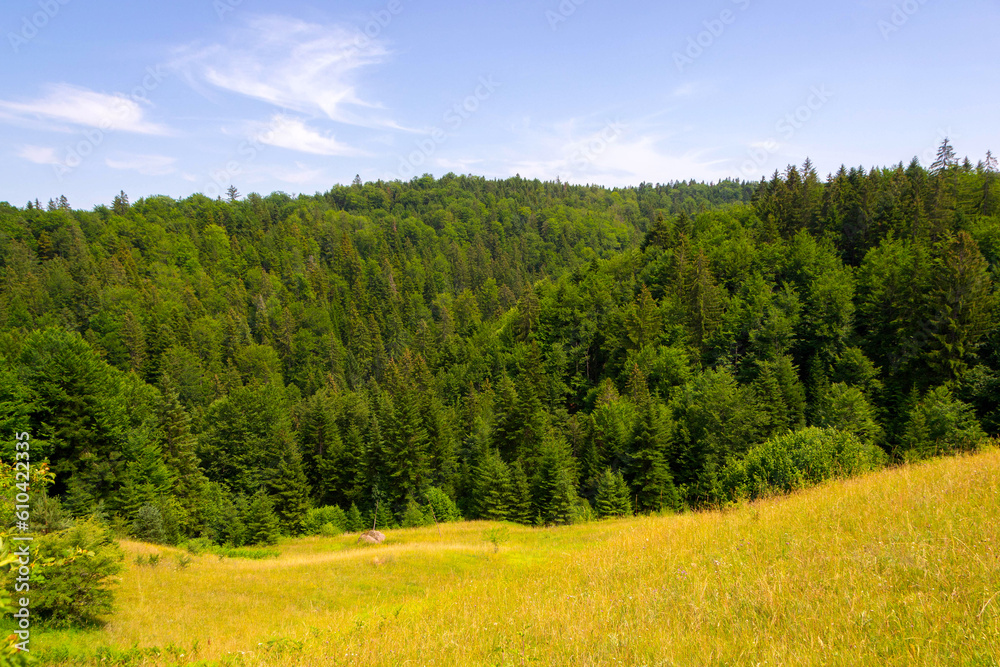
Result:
[262,524]
[518,499]
[355,522]
[555,492]
[613,497]
[492,488]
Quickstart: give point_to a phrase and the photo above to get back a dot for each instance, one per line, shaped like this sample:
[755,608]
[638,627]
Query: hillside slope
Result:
[901,567]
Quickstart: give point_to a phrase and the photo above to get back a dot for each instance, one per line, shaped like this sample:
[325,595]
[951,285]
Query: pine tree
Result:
[555,492]
[492,489]
[413,515]
[261,522]
[613,497]
[963,307]
[651,478]
[135,341]
[518,499]
[120,205]
[355,522]
[289,487]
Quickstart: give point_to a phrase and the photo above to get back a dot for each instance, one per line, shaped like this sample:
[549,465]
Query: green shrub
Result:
[445,509]
[245,552]
[496,536]
[318,517]
[355,521]
[78,566]
[414,515]
[796,460]
[940,424]
[148,524]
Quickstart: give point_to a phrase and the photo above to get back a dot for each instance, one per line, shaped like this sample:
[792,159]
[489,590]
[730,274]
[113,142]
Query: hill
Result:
[900,567]
[519,350]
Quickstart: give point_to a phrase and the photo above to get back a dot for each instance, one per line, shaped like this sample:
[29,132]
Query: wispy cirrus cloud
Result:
[293,64]
[38,154]
[294,134]
[77,106]
[147,165]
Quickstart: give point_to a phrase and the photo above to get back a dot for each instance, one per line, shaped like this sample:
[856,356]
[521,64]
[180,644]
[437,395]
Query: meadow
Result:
[900,567]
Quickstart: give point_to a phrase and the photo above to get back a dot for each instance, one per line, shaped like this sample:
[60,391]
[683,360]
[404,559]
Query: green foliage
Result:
[940,424]
[847,409]
[76,574]
[490,345]
[497,535]
[318,517]
[445,509]
[148,524]
[262,523]
[613,497]
[796,460]
[414,515]
[355,521]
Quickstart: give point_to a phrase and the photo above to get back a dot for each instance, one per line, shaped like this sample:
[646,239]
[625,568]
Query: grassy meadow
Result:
[901,567]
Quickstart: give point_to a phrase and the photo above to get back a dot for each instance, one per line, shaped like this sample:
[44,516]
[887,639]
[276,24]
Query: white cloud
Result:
[292,64]
[80,106]
[616,155]
[38,154]
[147,165]
[294,134]
[300,175]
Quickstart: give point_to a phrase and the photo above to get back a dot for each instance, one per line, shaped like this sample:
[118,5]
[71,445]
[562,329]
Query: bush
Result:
[148,524]
[445,509]
[318,517]
[796,460]
[78,566]
[414,515]
[940,424]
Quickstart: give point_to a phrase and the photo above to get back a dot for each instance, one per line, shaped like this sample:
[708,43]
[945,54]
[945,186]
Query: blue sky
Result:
[195,95]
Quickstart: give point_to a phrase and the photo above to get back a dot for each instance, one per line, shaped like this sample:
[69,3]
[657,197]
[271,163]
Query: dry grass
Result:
[897,568]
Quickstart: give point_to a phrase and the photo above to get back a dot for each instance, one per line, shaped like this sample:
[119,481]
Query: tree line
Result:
[507,349]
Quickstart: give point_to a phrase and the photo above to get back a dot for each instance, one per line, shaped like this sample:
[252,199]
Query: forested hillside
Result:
[531,351]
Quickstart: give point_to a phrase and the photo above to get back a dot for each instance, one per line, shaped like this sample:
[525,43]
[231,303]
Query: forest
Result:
[538,352]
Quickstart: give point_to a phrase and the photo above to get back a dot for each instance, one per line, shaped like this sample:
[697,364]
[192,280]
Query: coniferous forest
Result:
[511,349]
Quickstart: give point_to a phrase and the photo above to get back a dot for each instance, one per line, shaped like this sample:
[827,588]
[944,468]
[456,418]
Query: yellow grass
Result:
[897,568]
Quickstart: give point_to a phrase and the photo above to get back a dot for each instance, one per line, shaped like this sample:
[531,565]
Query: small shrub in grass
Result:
[795,460]
[197,545]
[496,536]
[245,552]
[78,568]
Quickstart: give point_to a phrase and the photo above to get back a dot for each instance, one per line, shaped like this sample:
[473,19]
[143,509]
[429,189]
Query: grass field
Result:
[897,568]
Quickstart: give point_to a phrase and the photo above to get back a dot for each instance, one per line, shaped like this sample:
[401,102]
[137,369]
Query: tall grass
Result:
[901,567]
